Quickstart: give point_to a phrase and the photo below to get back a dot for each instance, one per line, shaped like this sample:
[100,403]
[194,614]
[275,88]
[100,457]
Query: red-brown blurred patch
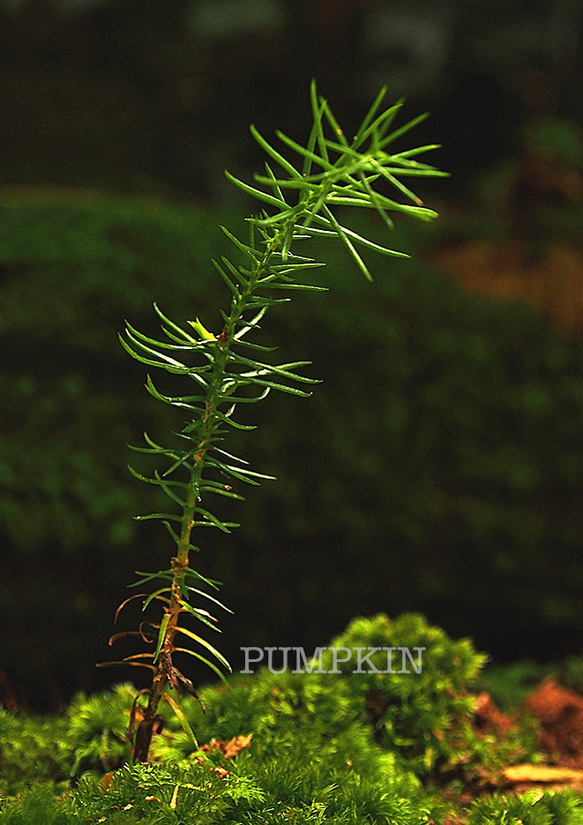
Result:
[488,718]
[551,284]
[559,712]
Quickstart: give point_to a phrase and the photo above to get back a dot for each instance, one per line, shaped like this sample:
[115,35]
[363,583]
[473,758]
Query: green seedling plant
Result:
[227,367]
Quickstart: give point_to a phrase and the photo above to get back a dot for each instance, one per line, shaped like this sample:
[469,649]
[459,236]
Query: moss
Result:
[32,748]
[341,747]
[531,808]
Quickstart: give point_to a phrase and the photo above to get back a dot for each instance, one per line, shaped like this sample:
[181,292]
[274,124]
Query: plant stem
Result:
[332,173]
[180,562]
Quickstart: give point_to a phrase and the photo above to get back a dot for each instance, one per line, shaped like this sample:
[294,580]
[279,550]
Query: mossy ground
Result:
[345,747]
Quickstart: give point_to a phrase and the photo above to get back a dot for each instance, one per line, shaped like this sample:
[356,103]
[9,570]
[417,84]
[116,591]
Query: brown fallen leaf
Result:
[230,748]
[106,781]
[236,744]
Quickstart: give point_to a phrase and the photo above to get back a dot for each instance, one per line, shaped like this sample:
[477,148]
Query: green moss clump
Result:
[300,784]
[342,747]
[97,729]
[531,808]
[423,718]
[37,805]
[32,748]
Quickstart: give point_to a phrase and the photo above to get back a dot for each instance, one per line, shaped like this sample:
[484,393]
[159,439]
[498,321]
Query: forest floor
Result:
[558,714]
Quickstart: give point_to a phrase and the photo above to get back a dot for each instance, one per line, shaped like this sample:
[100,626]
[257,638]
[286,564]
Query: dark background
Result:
[438,469]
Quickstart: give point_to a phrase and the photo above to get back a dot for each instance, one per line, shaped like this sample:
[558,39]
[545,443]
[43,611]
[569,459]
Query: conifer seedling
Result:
[229,366]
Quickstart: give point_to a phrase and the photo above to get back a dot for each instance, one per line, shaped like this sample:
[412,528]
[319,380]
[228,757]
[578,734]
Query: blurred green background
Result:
[438,468]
